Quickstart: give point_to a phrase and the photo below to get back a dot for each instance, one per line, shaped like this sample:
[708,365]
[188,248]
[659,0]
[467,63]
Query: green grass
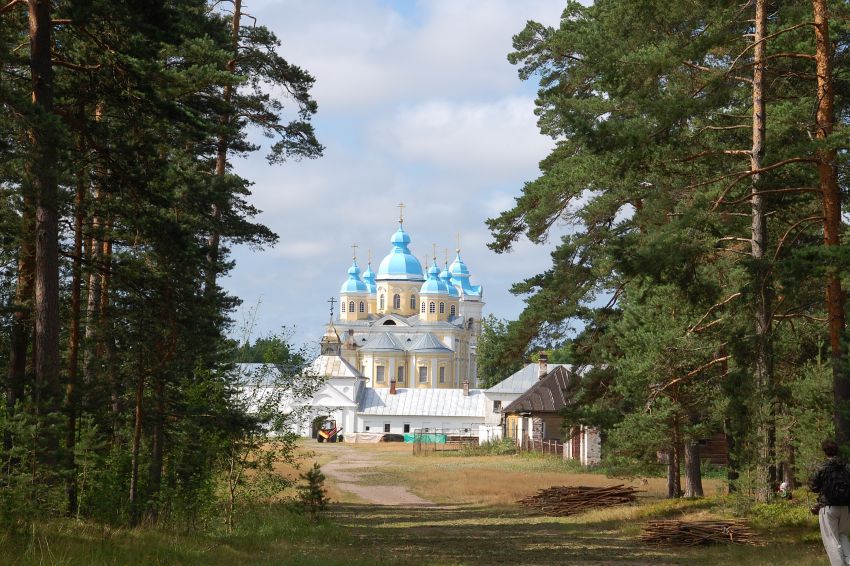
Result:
[495,531]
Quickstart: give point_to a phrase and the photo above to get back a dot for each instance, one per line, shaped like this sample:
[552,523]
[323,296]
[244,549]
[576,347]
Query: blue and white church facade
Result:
[402,352]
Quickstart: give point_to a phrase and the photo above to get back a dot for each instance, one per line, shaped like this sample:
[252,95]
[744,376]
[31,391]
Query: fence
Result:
[428,440]
[553,447]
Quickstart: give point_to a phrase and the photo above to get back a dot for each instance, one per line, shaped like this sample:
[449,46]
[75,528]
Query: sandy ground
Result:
[348,468]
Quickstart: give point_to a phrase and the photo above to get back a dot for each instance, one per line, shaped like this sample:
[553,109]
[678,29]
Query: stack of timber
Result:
[692,533]
[563,500]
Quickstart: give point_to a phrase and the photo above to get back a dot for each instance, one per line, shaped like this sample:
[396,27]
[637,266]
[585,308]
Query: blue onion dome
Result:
[434,285]
[460,277]
[400,264]
[354,284]
[446,276]
[369,279]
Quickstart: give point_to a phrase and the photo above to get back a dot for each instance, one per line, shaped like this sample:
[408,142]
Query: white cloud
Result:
[416,104]
[370,53]
[483,139]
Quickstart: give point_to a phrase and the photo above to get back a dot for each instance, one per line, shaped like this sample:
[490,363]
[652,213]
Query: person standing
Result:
[831,481]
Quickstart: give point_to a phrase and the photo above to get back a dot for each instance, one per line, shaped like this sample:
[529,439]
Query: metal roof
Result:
[333,366]
[521,381]
[428,343]
[548,395]
[383,342]
[423,402]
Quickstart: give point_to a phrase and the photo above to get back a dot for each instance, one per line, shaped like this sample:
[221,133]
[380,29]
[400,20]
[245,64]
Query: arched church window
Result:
[442,308]
[396,301]
[351,306]
[423,307]
[362,306]
[412,302]
[382,303]
[432,308]
[342,306]
[453,310]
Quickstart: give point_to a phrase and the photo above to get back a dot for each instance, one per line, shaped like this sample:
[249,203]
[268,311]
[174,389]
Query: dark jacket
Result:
[818,480]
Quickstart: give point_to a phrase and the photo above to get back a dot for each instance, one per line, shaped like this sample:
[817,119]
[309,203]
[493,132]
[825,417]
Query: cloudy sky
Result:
[417,104]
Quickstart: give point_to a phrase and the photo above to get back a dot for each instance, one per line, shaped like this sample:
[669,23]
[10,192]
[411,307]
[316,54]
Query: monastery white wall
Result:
[377,423]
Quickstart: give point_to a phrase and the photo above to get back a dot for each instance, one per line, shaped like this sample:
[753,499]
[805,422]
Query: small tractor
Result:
[329,432]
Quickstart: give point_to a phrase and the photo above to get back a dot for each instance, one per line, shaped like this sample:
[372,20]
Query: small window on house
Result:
[423,374]
[432,308]
[412,302]
[442,374]
[382,303]
[396,301]
[386,427]
[497,406]
[351,306]
[400,374]
[423,306]
[367,428]
[406,427]
[362,306]
[342,306]
[442,308]
[453,310]
[379,374]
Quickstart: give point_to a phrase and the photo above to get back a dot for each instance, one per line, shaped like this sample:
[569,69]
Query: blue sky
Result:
[417,104]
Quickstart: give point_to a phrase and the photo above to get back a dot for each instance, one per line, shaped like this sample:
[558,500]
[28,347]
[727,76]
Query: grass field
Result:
[473,520]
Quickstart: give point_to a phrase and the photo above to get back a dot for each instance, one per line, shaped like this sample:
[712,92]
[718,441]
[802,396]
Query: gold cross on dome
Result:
[400,212]
[332,301]
[354,251]
[434,249]
[458,243]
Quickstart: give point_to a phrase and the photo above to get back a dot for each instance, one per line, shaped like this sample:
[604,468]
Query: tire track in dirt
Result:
[350,465]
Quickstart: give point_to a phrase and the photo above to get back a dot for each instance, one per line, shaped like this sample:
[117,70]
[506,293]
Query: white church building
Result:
[402,354]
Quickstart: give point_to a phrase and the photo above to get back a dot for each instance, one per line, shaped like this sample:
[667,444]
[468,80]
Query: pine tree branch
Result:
[8,7]
[793,226]
[765,38]
[708,152]
[772,191]
[688,375]
[744,174]
[713,308]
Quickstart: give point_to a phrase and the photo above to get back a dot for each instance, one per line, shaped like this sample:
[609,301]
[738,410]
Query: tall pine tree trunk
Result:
[832,221]
[71,393]
[41,172]
[136,445]
[763,362]
[693,470]
[674,459]
[213,241]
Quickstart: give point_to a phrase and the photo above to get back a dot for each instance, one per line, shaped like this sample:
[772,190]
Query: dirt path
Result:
[351,466]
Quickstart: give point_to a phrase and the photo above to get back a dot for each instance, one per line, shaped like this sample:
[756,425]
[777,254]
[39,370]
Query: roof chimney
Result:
[543,362]
[392,387]
[466,388]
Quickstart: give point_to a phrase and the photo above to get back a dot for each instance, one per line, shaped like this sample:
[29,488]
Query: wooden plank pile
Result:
[560,501]
[673,532]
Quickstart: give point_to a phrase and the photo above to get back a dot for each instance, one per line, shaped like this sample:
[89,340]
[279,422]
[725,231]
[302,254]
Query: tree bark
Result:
[763,362]
[137,440]
[157,439]
[74,344]
[213,242]
[42,175]
[674,482]
[832,221]
[693,470]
